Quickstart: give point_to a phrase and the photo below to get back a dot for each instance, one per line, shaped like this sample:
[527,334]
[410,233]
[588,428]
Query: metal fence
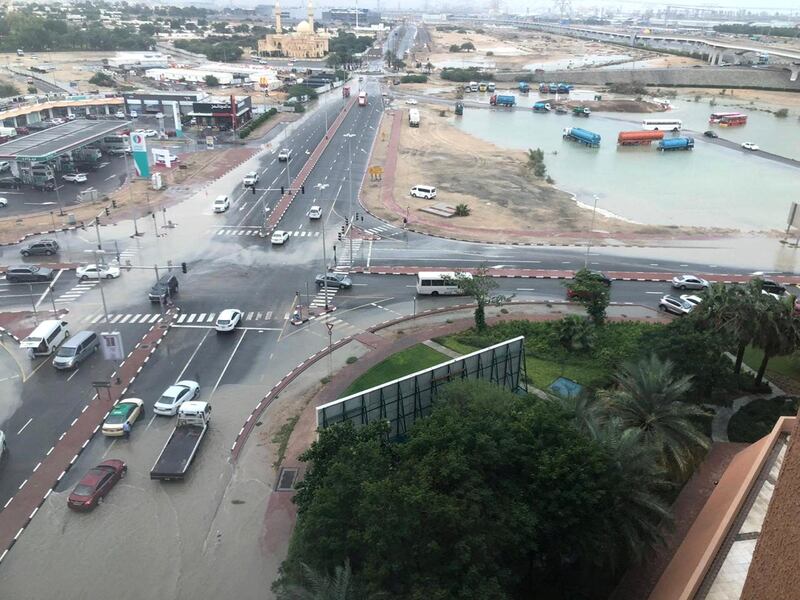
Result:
[402,401]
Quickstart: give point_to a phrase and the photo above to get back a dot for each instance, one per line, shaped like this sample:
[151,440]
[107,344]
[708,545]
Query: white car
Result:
[3,202]
[3,447]
[221,204]
[411,101]
[676,306]
[750,146]
[692,299]
[134,114]
[315,212]
[93,272]
[285,154]
[119,114]
[57,121]
[149,133]
[174,396]
[279,237]
[228,319]
[75,177]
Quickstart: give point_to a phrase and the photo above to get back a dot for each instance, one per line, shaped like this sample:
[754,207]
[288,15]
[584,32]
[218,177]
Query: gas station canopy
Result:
[52,142]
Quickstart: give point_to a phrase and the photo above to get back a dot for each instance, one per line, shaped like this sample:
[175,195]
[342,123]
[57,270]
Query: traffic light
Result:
[97,220]
[346,221]
[114,203]
[302,189]
[283,190]
[340,236]
[183,267]
[108,211]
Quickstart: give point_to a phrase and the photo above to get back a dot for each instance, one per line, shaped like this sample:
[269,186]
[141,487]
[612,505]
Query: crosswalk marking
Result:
[211,317]
[136,317]
[149,318]
[115,319]
[154,318]
[125,318]
[201,317]
[191,318]
[256,231]
[249,316]
[182,318]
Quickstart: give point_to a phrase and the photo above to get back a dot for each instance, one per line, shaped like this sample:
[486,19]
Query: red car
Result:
[94,486]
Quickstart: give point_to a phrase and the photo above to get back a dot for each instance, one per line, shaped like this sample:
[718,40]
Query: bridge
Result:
[714,51]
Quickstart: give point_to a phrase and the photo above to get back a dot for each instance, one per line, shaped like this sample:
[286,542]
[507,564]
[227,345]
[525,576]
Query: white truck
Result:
[250,180]
[413,118]
[8,132]
[178,453]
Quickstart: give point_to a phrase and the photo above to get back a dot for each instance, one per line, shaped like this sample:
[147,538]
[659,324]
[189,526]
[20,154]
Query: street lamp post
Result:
[97,254]
[591,231]
[130,190]
[349,137]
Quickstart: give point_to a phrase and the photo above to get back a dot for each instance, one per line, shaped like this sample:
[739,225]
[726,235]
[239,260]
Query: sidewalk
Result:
[20,510]
[299,392]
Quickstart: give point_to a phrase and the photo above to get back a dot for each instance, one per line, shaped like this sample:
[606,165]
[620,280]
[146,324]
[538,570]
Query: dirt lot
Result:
[746,99]
[513,49]
[506,201]
[70,66]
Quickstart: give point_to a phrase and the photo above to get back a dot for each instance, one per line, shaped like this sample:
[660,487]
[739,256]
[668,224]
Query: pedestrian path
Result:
[319,299]
[345,260]
[384,230]
[250,317]
[128,254]
[338,324]
[76,292]
[251,231]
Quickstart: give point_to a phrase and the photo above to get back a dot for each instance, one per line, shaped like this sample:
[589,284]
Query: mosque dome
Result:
[304,27]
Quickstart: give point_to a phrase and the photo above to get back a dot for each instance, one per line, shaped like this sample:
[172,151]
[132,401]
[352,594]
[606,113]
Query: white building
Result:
[138,60]
[225,74]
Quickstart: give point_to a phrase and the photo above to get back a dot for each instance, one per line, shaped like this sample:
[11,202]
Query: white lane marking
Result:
[243,206]
[196,350]
[115,319]
[49,288]
[525,290]
[75,372]
[153,418]
[227,364]
[24,426]
[110,447]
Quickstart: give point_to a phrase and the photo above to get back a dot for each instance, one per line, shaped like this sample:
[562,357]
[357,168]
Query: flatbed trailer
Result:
[178,453]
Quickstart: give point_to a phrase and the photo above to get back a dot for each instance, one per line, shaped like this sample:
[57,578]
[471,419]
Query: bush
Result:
[101,78]
[632,88]
[455,48]
[211,81]
[351,359]
[782,113]
[248,128]
[489,53]
[754,421]
[414,79]
[462,210]
[7,90]
[470,74]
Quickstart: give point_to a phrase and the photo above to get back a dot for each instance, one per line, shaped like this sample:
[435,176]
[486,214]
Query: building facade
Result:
[358,17]
[304,42]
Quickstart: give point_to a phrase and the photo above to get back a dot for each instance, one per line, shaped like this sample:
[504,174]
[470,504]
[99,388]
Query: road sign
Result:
[210,142]
[101,384]
[111,345]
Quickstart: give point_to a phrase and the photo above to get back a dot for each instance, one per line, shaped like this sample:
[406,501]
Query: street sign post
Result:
[111,345]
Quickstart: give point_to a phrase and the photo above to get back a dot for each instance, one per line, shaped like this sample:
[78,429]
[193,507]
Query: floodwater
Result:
[710,186]
[575,62]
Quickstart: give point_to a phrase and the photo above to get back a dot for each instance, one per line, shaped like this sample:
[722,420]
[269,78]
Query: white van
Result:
[440,283]
[423,191]
[43,340]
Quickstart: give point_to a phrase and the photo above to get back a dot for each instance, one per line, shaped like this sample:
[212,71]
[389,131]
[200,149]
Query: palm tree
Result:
[778,332]
[648,398]
[320,586]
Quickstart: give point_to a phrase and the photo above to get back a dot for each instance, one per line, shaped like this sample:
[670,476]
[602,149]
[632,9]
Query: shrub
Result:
[455,48]
[248,128]
[754,421]
[101,78]
[414,79]
[489,53]
[211,81]
[351,359]
[462,210]
[469,74]
[782,113]
[632,88]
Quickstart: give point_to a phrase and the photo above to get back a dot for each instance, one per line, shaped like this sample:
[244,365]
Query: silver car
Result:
[689,282]
[674,305]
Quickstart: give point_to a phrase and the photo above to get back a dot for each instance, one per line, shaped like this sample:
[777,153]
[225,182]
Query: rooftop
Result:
[52,142]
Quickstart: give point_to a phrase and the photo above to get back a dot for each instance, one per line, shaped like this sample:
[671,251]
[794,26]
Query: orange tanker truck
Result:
[638,138]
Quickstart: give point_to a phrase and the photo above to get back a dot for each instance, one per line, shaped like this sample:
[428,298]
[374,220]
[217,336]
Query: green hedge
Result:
[254,123]
[754,421]
[471,74]
[414,79]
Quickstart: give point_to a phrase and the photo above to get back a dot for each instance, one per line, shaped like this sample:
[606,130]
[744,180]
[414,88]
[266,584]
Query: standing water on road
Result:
[710,186]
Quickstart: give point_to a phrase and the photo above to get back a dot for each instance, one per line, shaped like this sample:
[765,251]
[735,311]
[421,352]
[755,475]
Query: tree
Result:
[148,29]
[575,334]
[468,46]
[319,586]
[428,67]
[536,162]
[479,286]
[211,81]
[648,398]
[588,289]
[103,79]
[455,48]
[778,332]
[8,89]
[220,27]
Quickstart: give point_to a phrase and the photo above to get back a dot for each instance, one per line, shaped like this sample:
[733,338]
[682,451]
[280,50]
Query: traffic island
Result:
[34,491]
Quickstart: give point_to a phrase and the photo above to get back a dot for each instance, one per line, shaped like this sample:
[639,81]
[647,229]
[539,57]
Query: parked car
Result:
[127,411]
[689,282]
[165,287]
[91,117]
[3,446]
[772,287]
[149,133]
[96,484]
[174,396]
[221,204]
[75,177]
[228,319]
[161,160]
[336,280]
[692,299]
[3,202]
[119,114]
[42,247]
[285,154]
[10,183]
[28,274]
[750,146]
[315,212]
[710,134]
[95,272]
[675,305]
[279,237]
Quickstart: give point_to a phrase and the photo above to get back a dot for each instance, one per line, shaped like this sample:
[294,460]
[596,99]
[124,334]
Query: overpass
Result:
[716,52]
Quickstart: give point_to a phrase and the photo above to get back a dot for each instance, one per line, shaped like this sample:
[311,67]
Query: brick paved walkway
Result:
[17,514]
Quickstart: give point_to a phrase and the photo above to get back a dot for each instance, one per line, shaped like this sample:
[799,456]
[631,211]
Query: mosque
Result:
[304,42]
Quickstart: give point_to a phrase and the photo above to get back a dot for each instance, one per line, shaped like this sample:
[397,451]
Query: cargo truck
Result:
[490,87]
[541,107]
[346,91]
[638,138]
[362,98]
[178,453]
[8,132]
[459,108]
[413,118]
[581,111]
[582,136]
[87,159]
[524,87]
[502,100]
[676,143]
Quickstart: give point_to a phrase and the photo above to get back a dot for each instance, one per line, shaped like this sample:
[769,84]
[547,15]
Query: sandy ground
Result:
[513,49]
[78,67]
[494,182]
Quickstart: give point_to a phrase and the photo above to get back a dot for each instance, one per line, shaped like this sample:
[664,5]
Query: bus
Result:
[718,116]
[115,144]
[733,120]
[662,124]
[439,283]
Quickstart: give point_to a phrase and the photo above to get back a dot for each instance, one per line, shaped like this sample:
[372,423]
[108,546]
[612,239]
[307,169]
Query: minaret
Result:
[278,17]
[311,16]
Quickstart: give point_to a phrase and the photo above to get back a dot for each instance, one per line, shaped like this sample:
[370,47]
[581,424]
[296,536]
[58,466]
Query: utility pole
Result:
[97,254]
[591,231]
[324,269]
[349,137]
[130,190]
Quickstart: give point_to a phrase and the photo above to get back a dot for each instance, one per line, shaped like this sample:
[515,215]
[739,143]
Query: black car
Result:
[166,287]
[42,247]
[710,134]
[773,287]
[28,274]
[601,277]
[10,183]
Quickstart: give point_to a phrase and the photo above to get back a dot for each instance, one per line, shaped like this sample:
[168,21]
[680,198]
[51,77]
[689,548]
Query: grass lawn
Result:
[541,372]
[403,363]
[788,366]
